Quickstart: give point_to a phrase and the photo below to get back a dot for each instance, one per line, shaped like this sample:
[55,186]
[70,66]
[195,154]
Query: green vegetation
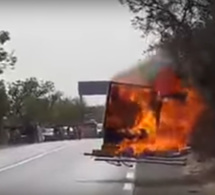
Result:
[185,29]
[39,101]
[32,101]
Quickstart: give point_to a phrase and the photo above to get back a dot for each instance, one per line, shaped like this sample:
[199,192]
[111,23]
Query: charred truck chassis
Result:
[112,138]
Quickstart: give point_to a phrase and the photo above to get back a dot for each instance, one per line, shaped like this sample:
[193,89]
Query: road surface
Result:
[164,180]
[59,168]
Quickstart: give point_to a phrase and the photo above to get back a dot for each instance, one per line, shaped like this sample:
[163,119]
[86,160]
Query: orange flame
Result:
[177,120]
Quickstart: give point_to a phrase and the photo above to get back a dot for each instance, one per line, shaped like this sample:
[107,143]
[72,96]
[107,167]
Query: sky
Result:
[70,41]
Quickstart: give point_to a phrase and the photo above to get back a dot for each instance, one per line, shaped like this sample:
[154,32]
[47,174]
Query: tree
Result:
[4,109]
[39,101]
[169,17]
[28,97]
[95,112]
[186,31]
[68,111]
[6,59]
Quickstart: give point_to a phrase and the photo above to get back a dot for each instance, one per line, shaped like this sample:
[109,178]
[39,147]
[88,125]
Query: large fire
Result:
[131,117]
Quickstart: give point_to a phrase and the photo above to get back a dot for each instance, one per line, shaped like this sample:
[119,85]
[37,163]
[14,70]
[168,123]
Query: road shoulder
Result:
[163,179]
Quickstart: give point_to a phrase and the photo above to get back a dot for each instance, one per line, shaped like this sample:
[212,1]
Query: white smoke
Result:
[134,75]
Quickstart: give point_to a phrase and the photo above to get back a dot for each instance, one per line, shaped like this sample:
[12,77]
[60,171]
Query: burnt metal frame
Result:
[176,159]
[108,98]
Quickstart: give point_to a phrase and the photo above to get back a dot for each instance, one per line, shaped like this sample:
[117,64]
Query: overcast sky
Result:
[68,42]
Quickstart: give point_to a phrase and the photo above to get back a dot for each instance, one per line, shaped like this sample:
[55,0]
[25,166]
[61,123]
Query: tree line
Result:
[39,101]
[36,101]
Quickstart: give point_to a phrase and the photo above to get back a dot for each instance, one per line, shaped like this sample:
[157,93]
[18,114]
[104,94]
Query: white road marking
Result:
[130,175]
[128,186]
[31,159]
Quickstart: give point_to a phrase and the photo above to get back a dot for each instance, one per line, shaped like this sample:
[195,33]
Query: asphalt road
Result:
[59,168]
[164,180]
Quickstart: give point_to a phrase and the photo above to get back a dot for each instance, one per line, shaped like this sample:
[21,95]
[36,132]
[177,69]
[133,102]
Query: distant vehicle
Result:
[59,133]
[100,130]
[69,131]
[48,134]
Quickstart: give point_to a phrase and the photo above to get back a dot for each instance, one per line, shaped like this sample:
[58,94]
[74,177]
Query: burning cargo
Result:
[139,123]
[152,118]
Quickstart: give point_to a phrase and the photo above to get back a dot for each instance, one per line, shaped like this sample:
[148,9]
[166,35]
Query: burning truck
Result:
[149,116]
